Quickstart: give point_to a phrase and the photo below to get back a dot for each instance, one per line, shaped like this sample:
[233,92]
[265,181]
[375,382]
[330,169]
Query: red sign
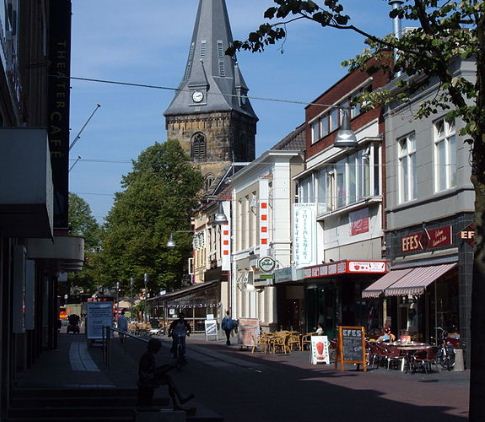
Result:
[468,234]
[346,267]
[359,221]
[427,239]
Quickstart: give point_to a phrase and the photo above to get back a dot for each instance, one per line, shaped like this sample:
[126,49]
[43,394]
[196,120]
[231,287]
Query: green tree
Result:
[82,223]
[446,31]
[158,197]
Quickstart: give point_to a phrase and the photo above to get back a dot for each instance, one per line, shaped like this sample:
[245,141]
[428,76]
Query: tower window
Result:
[209,180]
[203,48]
[198,150]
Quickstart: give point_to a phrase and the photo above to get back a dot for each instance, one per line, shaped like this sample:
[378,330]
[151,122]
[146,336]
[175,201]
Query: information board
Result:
[351,347]
[99,315]
[319,350]
[210,328]
[248,331]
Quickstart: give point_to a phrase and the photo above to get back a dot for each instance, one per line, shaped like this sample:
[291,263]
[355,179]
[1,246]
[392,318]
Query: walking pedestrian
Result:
[151,376]
[122,325]
[228,324]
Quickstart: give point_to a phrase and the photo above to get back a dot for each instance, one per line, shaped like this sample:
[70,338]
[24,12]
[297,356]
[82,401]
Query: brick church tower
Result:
[210,114]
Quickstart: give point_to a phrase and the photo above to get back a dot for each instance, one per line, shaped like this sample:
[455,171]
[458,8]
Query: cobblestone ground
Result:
[261,387]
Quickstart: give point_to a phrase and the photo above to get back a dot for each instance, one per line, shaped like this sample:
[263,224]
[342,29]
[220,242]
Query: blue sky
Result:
[147,42]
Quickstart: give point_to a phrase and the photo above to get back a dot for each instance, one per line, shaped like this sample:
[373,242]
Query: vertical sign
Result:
[58,104]
[304,233]
[263,217]
[226,238]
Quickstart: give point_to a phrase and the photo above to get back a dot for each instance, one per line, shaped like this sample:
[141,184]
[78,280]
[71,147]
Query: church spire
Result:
[212,81]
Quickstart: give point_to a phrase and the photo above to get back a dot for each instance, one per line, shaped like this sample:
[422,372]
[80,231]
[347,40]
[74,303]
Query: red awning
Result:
[378,287]
[416,281]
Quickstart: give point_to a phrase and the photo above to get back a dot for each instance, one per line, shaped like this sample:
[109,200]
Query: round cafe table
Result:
[409,349]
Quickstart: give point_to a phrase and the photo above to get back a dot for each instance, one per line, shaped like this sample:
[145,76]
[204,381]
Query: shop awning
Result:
[416,281]
[378,287]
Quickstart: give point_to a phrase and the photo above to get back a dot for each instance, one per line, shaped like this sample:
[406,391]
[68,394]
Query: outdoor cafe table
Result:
[408,349]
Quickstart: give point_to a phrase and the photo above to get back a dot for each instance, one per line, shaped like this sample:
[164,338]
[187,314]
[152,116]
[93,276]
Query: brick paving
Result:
[242,386]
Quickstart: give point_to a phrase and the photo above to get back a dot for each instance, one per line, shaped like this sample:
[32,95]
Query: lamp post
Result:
[145,281]
[117,297]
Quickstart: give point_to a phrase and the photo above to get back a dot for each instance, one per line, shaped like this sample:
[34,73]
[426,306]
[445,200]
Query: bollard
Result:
[459,365]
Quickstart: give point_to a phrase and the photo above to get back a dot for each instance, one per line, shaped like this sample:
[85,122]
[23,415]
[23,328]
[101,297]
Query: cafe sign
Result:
[266,264]
[427,239]
[468,234]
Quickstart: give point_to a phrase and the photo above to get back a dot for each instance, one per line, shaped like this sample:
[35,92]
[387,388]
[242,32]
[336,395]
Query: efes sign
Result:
[266,264]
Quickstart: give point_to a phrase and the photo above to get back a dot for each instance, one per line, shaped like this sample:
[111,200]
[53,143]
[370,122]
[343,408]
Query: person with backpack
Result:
[228,324]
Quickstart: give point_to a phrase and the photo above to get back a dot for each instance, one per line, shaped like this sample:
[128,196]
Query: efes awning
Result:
[416,281]
[378,287]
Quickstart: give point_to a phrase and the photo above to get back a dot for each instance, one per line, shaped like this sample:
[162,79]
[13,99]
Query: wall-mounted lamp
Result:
[345,137]
[219,217]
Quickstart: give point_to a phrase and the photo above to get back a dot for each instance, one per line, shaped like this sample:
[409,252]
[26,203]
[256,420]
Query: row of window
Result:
[331,120]
[344,183]
[358,176]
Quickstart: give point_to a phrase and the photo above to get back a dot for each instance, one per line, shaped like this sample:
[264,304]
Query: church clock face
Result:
[197,96]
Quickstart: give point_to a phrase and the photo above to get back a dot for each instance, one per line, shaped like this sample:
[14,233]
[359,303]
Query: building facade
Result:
[429,213]
[35,249]
[262,194]
[338,218]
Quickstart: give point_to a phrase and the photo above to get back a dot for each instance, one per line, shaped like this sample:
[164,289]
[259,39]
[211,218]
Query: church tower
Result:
[211,115]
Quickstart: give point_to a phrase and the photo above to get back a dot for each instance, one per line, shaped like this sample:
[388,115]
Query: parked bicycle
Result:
[445,356]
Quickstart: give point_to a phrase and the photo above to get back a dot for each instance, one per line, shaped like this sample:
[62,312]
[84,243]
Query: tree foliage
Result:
[82,223]
[158,197]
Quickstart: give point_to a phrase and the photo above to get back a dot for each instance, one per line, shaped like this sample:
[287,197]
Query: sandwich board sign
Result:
[319,350]
[351,347]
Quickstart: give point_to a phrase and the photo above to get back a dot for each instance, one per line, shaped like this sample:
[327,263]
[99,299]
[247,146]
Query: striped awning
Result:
[378,287]
[416,281]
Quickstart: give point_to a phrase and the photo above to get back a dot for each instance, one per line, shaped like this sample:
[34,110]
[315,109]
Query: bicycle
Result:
[445,357]
[179,351]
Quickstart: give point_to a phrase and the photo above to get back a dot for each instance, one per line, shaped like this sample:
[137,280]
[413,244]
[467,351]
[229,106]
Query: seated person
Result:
[387,336]
[151,376]
[319,331]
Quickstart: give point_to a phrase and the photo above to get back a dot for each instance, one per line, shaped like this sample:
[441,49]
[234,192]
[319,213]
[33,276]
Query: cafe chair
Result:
[306,340]
[424,359]
[294,341]
[393,355]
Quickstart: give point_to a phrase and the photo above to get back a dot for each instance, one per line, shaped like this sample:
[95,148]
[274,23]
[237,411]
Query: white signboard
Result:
[304,234]
[210,328]
[319,350]
[99,315]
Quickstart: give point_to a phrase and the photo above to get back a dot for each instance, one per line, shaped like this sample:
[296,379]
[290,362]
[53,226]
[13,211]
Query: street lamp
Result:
[345,137]
[220,218]
[171,243]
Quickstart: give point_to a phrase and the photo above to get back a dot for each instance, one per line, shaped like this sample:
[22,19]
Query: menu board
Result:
[351,347]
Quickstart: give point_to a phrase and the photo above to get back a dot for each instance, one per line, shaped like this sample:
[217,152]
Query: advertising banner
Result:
[99,315]
[319,350]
